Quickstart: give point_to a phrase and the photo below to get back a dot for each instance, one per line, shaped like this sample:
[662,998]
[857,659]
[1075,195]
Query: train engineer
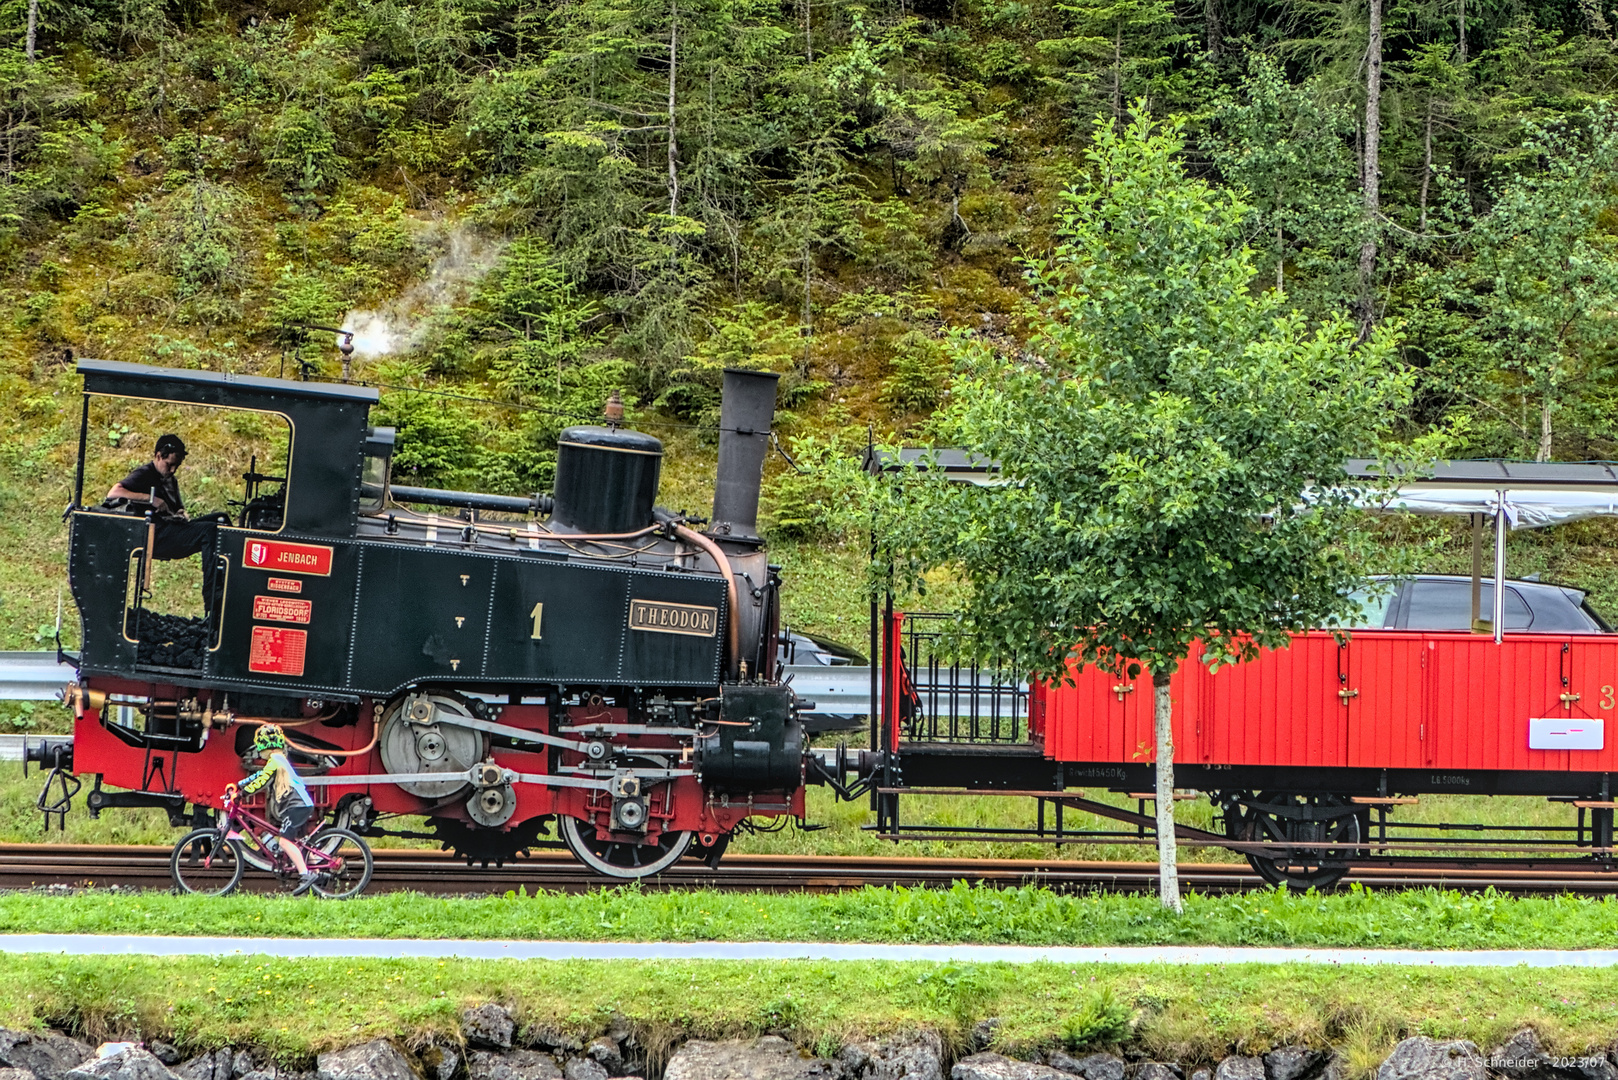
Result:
[156,483]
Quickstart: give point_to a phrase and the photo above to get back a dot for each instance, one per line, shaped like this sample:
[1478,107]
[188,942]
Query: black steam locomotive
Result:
[496,664]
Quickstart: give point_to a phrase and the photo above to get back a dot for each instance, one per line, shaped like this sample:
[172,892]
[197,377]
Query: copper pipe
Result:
[315,751]
[732,633]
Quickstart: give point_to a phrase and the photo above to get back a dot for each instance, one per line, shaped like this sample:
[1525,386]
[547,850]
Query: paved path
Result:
[382,948]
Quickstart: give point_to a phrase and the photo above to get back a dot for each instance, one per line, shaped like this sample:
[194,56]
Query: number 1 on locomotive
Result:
[538,615]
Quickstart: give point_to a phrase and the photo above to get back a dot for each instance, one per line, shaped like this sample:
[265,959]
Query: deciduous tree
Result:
[1171,446]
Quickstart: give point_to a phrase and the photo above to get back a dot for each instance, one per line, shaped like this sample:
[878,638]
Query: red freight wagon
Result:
[1306,751]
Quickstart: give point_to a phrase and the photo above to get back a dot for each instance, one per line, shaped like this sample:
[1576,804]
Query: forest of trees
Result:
[659,188]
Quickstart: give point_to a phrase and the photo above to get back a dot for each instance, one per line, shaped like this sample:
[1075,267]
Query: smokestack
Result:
[745,413]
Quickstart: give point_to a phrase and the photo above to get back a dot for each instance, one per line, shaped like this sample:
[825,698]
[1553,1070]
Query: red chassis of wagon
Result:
[1309,753]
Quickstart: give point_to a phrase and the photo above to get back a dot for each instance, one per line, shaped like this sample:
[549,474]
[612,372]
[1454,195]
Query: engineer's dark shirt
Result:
[146,479]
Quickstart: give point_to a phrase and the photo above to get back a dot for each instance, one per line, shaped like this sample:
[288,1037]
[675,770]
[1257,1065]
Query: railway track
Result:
[24,866]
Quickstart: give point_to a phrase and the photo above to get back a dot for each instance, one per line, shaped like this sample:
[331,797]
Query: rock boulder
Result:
[516,1065]
[46,1055]
[1157,1070]
[767,1058]
[378,1059]
[489,1026]
[1421,1058]
[1237,1067]
[996,1067]
[909,1057]
[1090,1066]
[1292,1062]
[120,1061]
[214,1065]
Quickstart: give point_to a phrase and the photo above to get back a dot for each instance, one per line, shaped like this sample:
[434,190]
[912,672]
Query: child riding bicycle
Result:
[289,798]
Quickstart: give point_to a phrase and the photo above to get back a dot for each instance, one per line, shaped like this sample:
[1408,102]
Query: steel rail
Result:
[25,866]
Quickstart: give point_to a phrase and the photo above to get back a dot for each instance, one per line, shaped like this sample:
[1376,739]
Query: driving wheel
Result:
[619,858]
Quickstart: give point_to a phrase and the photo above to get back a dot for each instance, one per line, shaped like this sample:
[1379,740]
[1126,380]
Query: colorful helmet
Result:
[269,737]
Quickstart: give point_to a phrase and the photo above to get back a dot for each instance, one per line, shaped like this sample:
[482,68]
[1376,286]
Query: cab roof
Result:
[118,379]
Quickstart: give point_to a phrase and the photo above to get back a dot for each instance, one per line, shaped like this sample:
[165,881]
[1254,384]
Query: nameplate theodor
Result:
[660,617]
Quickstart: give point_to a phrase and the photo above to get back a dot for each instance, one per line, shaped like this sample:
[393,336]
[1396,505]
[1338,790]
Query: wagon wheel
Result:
[622,859]
[1282,817]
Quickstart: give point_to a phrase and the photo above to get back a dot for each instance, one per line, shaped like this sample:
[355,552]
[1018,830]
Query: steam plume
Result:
[400,325]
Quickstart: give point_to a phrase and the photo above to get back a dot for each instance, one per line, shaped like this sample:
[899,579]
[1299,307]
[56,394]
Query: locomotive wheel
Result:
[1281,817]
[616,858]
[487,846]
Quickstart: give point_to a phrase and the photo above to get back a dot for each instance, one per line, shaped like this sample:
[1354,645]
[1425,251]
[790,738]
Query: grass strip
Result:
[1190,1014]
[1356,918]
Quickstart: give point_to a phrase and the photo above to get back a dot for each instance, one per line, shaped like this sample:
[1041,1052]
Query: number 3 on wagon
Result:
[538,615]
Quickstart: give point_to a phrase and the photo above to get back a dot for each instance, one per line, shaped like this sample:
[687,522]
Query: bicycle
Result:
[210,861]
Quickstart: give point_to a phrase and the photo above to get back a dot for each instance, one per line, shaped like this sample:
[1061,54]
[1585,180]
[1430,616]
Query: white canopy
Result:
[1524,509]
[1531,494]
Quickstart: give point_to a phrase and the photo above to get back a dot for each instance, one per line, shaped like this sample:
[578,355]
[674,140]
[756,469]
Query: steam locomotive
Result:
[498,665]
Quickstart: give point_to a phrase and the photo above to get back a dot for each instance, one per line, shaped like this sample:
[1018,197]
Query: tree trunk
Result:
[33,24]
[1462,49]
[1426,162]
[1280,260]
[1167,860]
[1118,74]
[674,174]
[1369,172]
[1213,23]
[1544,453]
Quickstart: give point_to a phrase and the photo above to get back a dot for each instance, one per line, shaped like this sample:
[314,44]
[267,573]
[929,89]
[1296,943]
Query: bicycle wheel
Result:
[343,866]
[207,863]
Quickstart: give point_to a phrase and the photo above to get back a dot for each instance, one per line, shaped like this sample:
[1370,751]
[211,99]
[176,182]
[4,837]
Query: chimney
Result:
[745,413]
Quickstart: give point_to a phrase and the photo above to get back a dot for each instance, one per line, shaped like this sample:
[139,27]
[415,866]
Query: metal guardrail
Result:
[29,676]
[32,676]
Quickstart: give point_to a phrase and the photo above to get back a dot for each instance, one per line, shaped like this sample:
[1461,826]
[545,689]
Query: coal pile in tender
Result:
[172,641]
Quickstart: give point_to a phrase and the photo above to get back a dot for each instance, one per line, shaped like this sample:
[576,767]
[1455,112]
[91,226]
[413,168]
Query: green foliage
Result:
[300,297]
[921,373]
[1536,291]
[1101,1019]
[751,336]
[1286,149]
[1172,445]
[801,501]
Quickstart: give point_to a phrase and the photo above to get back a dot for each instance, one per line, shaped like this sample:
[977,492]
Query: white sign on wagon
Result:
[1566,733]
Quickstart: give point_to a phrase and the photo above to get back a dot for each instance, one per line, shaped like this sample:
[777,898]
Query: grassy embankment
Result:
[1191,1015]
[1424,918]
